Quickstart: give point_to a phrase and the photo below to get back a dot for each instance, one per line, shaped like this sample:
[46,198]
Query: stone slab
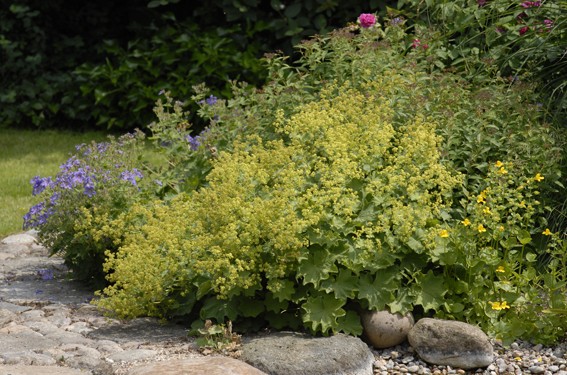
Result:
[40,370]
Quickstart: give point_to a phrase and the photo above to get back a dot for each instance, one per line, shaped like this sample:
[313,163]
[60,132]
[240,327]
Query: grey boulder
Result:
[451,343]
[288,353]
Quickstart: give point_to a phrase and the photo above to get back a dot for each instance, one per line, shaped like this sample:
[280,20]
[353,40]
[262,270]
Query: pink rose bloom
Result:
[367,20]
[530,4]
[524,30]
[548,23]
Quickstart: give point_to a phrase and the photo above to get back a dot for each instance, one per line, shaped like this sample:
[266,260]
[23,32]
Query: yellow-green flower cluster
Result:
[339,168]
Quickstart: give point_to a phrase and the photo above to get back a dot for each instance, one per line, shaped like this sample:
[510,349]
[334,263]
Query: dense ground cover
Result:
[359,178]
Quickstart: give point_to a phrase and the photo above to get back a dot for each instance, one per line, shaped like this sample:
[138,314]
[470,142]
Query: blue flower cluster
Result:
[194,142]
[37,215]
[75,175]
[131,176]
[211,100]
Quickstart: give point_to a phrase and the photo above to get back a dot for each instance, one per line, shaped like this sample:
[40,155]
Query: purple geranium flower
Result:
[37,215]
[40,184]
[131,176]
[194,142]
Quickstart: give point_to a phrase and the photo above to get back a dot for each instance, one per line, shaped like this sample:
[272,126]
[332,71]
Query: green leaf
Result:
[214,308]
[344,285]
[415,245]
[250,308]
[317,266]
[350,323]
[403,302]
[380,290]
[322,312]
[293,10]
[284,290]
[429,291]
[524,237]
[274,304]
[204,288]
[454,307]
[531,257]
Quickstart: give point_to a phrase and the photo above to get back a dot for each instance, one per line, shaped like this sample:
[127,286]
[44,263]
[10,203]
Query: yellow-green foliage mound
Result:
[330,216]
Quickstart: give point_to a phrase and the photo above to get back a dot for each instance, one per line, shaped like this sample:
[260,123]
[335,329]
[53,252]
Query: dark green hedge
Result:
[70,64]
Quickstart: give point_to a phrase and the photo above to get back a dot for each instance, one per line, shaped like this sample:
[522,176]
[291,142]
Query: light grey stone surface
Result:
[298,354]
[197,366]
[451,343]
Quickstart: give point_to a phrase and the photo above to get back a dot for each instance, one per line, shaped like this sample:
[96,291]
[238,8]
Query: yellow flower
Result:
[481,228]
[480,199]
[501,228]
[500,269]
[499,305]
[502,170]
[499,164]
[466,222]
[522,204]
[538,177]
[486,210]
[444,233]
[546,232]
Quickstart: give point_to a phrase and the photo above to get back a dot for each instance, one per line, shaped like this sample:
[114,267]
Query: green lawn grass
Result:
[23,155]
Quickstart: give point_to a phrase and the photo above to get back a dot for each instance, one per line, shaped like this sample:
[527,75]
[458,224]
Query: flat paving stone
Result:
[40,370]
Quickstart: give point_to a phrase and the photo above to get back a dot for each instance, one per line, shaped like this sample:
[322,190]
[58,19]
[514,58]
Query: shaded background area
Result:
[84,65]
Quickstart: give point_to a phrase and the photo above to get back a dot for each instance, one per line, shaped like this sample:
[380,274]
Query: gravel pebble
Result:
[519,358]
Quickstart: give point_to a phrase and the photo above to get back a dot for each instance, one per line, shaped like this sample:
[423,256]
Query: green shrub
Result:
[312,220]
[119,93]
[522,40]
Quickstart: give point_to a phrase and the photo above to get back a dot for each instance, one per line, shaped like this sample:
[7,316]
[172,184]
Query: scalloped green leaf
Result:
[344,285]
[250,308]
[273,304]
[322,312]
[284,290]
[379,291]
[217,309]
[350,323]
[316,267]
[429,291]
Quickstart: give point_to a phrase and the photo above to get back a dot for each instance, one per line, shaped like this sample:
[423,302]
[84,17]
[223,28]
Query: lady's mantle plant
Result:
[334,214]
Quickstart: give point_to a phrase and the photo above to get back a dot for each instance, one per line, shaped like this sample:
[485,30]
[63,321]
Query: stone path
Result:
[48,327]
[46,320]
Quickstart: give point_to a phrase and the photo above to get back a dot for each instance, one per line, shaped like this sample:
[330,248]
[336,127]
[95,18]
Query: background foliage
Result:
[81,65]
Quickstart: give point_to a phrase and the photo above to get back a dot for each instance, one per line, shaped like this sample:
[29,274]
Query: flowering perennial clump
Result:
[326,207]
[101,177]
